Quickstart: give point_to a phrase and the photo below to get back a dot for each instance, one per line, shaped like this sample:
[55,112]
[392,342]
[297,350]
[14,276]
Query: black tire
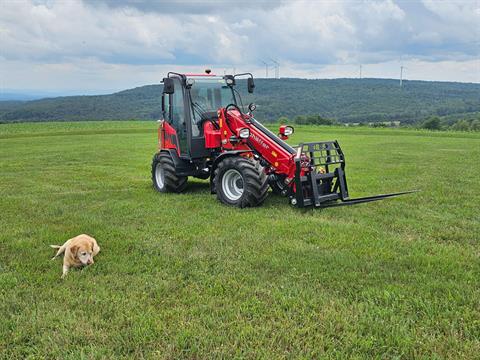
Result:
[249,182]
[278,185]
[168,181]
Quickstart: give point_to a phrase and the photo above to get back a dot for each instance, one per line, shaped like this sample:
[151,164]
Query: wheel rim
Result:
[160,176]
[232,184]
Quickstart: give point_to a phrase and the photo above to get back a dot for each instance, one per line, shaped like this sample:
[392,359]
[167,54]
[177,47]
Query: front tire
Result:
[240,182]
[277,183]
[164,178]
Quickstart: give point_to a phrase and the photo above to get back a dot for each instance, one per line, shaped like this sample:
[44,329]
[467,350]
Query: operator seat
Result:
[211,116]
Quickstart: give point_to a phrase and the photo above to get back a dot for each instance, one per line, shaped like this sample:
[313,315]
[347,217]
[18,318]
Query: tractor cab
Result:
[188,102]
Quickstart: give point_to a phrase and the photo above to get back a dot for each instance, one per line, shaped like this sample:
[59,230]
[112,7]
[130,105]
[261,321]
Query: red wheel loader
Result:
[205,133]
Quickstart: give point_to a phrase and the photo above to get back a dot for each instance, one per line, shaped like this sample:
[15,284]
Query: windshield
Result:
[208,95]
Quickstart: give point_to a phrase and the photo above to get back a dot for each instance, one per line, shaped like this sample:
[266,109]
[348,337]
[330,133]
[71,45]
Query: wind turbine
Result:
[401,75]
[266,68]
[277,68]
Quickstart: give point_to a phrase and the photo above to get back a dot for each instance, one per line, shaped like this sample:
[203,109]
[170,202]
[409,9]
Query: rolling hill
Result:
[346,100]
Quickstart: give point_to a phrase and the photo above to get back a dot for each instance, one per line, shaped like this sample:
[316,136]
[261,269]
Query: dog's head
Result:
[84,253]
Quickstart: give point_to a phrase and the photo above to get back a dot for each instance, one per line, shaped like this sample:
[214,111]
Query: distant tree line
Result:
[307,120]
[436,123]
[430,123]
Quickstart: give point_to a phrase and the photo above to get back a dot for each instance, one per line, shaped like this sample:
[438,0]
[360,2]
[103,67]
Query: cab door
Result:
[177,116]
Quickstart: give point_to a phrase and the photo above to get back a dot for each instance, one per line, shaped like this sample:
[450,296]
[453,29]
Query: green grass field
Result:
[182,276]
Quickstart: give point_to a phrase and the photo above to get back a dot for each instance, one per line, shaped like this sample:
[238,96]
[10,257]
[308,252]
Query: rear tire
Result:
[164,178]
[240,182]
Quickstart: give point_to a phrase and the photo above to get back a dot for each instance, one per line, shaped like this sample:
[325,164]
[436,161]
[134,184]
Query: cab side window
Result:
[166,104]
[177,118]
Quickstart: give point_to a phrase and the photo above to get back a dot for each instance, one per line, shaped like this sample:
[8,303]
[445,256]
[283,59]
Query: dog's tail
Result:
[59,251]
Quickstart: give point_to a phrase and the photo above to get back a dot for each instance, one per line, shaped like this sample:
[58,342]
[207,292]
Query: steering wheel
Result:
[233,106]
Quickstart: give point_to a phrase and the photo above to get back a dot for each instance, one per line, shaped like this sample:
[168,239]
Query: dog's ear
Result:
[74,250]
[92,247]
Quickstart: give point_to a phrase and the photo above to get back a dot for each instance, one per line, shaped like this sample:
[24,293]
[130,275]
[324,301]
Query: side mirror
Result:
[252,107]
[168,87]
[250,85]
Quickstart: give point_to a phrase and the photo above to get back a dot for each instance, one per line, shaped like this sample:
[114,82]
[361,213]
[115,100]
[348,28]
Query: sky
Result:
[100,46]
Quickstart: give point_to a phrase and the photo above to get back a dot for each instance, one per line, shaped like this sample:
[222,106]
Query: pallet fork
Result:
[325,183]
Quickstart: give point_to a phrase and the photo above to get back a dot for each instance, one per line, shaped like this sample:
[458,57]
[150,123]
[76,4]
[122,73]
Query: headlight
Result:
[285,130]
[229,81]
[244,133]
[288,130]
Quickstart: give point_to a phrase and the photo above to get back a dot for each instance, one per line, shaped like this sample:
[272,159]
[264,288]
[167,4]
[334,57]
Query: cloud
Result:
[138,34]
[189,7]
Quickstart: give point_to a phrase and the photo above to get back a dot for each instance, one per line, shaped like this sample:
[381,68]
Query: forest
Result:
[340,100]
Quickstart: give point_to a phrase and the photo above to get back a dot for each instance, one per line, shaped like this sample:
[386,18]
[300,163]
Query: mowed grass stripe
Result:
[182,276]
